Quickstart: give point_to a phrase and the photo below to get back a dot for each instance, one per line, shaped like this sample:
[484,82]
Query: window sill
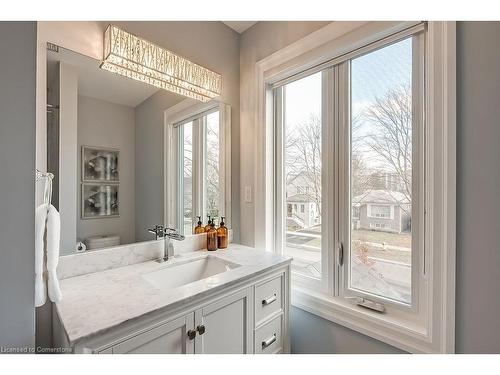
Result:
[402,334]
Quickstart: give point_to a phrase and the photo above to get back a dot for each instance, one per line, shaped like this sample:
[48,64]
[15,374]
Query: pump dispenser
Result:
[199,227]
[222,235]
[212,237]
[209,224]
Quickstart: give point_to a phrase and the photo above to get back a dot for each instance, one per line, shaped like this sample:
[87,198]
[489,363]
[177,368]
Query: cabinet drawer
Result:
[268,299]
[268,338]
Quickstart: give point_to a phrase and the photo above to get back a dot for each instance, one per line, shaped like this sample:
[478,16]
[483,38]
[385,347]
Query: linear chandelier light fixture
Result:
[139,59]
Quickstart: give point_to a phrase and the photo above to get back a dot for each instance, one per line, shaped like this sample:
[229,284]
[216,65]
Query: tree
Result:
[390,133]
[303,157]
[212,172]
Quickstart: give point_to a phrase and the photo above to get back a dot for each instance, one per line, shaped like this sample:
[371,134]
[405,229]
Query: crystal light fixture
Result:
[139,59]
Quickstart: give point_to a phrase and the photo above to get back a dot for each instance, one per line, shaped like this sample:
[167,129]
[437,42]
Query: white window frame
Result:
[183,112]
[434,333]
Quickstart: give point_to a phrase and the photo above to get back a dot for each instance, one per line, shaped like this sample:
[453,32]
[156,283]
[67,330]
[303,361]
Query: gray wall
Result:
[109,125]
[478,205]
[311,334]
[149,162]
[68,156]
[478,188]
[17,183]
[210,44]
[256,43]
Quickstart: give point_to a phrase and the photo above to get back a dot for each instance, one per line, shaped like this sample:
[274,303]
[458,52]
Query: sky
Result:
[372,75]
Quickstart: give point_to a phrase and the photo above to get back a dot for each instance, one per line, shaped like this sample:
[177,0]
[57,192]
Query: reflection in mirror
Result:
[200,185]
[105,146]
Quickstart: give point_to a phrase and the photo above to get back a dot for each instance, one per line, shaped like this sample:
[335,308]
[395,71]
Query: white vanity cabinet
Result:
[249,317]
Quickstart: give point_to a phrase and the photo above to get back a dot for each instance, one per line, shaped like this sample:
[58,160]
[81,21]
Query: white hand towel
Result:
[53,241]
[40,289]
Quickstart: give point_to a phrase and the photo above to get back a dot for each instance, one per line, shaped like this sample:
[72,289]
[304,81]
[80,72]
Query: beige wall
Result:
[108,125]
[258,42]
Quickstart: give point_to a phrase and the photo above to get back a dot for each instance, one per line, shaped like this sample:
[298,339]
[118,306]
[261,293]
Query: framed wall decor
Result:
[100,201]
[100,164]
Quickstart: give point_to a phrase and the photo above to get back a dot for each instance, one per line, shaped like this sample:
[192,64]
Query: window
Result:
[374,92]
[212,163]
[301,150]
[386,158]
[377,210]
[197,147]
[382,128]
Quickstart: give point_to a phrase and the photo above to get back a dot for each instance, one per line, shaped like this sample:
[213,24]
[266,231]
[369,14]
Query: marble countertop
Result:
[99,301]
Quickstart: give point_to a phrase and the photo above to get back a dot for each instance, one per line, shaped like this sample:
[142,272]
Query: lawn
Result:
[395,239]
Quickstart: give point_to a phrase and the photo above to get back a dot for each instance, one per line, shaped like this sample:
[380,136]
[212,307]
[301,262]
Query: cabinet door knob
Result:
[201,329]
[191,334]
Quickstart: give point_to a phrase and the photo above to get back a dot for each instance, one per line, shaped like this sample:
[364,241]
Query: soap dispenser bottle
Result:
[212,237]
[199,227]
[209,224]
[222,234]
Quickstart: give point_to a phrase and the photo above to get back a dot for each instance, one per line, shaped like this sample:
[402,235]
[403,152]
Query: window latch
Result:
[341,254]
[368,304]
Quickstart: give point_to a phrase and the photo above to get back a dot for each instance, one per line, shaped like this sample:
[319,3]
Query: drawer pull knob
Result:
[269,341]
[191,334]
[269,300]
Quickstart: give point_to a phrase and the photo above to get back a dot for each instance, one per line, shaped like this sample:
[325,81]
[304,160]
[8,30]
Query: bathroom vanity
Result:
[227,301]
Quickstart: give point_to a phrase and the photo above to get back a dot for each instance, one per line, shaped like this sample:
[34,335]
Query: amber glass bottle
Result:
[199,227]
[209,224]
[222,234]
[212,238]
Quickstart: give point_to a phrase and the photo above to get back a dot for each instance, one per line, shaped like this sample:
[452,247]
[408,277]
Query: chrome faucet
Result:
[168,234]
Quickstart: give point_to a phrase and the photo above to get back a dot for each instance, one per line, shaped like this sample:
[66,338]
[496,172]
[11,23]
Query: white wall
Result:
[17,183]
[109,125]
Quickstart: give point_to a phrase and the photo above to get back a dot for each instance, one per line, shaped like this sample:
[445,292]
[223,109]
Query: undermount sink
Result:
[186,272]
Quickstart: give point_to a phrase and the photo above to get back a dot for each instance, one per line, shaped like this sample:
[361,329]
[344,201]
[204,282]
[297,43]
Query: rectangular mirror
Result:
[109,147]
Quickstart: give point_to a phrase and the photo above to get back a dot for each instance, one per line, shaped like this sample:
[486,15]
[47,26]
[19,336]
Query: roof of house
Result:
[381,196]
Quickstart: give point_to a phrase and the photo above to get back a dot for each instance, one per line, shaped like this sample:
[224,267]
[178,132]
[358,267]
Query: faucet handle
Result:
[158,230]
[174,234]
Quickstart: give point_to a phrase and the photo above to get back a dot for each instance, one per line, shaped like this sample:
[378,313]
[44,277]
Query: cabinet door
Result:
[168,338]
[224,326]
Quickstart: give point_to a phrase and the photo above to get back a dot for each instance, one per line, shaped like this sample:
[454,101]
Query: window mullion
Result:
[328,181]
[198,208]
[202,164]
[342,211]
[180,173]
